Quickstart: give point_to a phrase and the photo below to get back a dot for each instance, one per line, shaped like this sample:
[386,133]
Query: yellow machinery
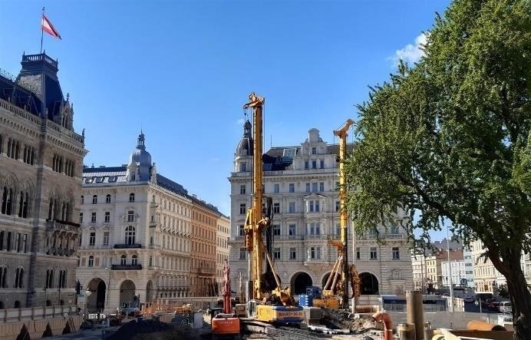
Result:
[268,306]
[328,298]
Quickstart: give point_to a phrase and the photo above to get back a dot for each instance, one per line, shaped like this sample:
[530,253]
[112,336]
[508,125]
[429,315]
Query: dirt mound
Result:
[133,328]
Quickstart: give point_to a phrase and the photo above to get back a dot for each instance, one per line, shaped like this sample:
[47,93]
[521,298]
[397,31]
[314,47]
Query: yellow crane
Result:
[276,305]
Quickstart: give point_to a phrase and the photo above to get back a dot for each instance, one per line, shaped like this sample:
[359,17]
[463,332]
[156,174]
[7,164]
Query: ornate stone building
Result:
[139,232]
[41,161]
[302,181]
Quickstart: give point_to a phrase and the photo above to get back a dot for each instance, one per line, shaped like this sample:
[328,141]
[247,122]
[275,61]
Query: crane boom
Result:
[342,134]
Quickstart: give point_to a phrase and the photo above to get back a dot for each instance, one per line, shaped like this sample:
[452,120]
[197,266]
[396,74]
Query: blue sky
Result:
[181,70]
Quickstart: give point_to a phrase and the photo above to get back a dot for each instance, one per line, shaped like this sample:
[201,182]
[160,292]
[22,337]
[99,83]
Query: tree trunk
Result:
[520,300]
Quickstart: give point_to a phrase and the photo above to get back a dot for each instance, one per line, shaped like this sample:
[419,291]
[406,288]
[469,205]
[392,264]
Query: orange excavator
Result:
[226,324]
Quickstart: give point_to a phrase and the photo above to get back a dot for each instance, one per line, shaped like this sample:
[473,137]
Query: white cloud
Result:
[240,121]
[412,53]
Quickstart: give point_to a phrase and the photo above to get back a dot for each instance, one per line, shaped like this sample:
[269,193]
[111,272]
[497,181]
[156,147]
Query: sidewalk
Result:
[88,334]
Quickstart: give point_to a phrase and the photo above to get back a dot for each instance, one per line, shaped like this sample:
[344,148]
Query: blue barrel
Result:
[305,300]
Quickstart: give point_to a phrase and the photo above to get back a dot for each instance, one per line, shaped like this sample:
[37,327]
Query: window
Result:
[276,188]
[123,260]
[49,278]
[95,199]
[131,197]
[276,254]
[306,165]
[92,239]
[3,277]
[19,278]
[292,229]
[242,189]
[292,187]
[151,261]
[314,187]
[130,216]
[18,242]
[276,208]
[8,241]
[374,253]
[106,238]
[314,164]
[29,154]
[108,198]
[322,164]
[338,206]
[321,186]
[82,199]
[312,206]
[241,230]
[93,217]
[243,167]
[314,253]
[314,228]
[130,235]
[91,261]
[276,229]
[57,163]
[134,260]
[113,179]
[358,253]
[80,217]
[25,243]
[314,151]
[243,253]
[394,230]
[107,216]
[292,253]
[291,207]
[99,179]
[243,209]
[396,253]
[62,279]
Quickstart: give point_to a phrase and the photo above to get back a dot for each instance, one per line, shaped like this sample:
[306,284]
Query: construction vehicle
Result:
[335,292]
[268,301]
[226,323]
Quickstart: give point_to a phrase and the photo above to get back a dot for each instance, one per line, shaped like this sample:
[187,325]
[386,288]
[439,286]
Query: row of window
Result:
[310,187]
[107,198]
[312,228]
[50,279]
[315,253]
[15,203]
[310,206]
[13,148]
[19,278]
[62,165]
[18,244]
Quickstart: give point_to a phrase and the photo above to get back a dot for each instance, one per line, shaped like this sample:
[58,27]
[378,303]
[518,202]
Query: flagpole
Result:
[42,30]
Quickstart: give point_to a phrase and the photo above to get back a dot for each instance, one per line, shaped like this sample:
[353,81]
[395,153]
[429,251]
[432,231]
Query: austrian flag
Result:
[47,27]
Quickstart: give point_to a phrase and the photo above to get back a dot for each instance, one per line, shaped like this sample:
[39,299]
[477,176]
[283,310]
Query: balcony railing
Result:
[200,270]
[52,225]
[126,267]
[128,246]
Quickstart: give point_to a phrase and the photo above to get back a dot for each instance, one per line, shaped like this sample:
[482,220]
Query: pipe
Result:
[388,323]
[478,325]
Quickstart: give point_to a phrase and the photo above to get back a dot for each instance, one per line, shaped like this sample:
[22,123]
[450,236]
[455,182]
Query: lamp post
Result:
[87,295]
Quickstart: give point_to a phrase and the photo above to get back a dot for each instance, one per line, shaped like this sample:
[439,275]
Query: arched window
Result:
[91,261]
[82,199]
[95,199]
[130,235]
[131,197]
[134,260]
[108,198]
[123,260]
[19,278]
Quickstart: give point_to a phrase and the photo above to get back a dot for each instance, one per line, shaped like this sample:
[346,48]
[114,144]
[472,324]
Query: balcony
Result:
[126,267]
[204,271]
[128,246]
[56,225]
[60,252]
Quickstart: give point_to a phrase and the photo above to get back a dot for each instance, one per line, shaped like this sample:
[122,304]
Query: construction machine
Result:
[332,291]
[268,301]
[226,323]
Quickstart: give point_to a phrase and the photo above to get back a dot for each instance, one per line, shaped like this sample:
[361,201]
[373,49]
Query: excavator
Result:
[334,292]
[226,323]
[268,301]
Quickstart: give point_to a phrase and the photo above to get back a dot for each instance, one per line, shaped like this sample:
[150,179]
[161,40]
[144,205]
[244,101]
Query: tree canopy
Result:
[448,138]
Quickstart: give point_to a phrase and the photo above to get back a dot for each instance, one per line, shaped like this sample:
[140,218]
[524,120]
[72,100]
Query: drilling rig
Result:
[348,271]
[265,304]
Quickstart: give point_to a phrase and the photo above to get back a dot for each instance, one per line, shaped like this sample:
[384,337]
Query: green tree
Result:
[448,139]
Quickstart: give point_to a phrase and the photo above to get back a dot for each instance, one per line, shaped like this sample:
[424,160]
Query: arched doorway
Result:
[369,284]
[96,300]
[299,282]
[149,292]
[325,279]
[127,294]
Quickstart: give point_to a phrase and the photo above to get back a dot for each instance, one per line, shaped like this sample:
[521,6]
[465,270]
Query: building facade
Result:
[222,247]
[137,235]
[302,181]
[41,161]
[435,277]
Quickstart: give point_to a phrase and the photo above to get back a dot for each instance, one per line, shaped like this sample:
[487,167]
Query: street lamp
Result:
[88,293]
